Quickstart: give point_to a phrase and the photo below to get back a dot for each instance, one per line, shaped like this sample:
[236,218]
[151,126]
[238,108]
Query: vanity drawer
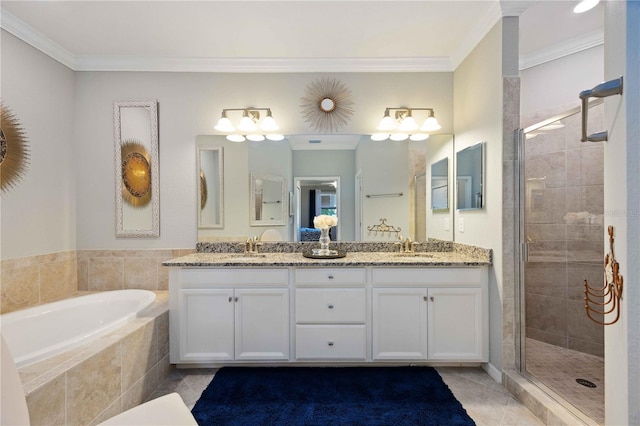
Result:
[330,276]
[421,276]
[325,305]
[331,342]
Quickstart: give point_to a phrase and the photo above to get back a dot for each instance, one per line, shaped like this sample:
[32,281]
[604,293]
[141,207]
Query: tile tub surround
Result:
[33,280]
[100,379]
[30,281]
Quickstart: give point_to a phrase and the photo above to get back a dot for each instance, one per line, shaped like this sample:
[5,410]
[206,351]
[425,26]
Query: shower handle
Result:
[602,90]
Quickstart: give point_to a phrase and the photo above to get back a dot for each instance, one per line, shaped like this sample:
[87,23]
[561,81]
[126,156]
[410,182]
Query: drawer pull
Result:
[330,277]
[330,306]
[330,343]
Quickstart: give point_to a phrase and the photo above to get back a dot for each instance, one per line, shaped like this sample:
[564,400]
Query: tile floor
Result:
[487,402]
[558,368]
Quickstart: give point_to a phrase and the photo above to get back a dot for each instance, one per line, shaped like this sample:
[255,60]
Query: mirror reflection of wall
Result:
[440,221]
[440,184]
[210,187]
[267,200]
[381,167]
[316,196]
[470,178]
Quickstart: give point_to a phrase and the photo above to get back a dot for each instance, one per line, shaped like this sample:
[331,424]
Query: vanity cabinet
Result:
[430,314]
[229,315]
[330,314]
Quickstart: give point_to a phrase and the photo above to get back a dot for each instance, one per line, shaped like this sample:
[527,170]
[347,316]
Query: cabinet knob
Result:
[432,299]
[236,298]
[330,343]
[230,298]
[424,298]
[330,277]
[330,306]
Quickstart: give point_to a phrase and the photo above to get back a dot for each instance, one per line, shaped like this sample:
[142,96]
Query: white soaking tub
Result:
[40,332]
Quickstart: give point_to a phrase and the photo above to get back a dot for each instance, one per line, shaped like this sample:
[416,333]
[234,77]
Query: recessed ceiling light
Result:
[585,5]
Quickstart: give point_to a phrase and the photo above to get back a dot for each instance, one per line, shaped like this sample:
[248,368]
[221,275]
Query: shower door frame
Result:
[522,256]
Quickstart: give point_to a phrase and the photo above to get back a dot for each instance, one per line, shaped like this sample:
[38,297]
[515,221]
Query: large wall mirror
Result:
[267,203]
[470,177]
[210,187]
[373,180]
[136,168]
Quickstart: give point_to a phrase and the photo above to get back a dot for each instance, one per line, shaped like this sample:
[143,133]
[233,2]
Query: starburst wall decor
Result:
[327,105]
[14,151]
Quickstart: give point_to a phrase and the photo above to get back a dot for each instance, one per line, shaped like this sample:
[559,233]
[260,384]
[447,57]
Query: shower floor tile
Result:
[558,368]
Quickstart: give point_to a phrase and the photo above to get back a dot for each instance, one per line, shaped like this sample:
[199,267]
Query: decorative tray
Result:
[334,255]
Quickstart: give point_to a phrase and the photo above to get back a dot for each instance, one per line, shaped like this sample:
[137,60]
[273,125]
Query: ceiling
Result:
[291,36]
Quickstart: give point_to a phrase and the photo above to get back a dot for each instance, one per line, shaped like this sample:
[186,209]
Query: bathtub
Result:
[37,333]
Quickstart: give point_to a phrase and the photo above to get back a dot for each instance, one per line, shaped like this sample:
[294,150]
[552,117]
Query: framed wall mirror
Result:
[470,177]
[210,187]
[135,126]
[440,185]
[267,200]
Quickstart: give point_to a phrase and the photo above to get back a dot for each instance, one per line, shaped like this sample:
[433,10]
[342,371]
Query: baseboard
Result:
[493,372]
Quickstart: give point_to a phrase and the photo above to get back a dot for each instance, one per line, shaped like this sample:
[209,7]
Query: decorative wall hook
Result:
[383,228]
[612,289]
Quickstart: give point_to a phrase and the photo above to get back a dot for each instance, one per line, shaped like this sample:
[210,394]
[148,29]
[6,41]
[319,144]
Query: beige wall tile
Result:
[140,354]
[106,274]
[58,280]
[111,411]
[141,273]
[162,331]
[20,288]
[94,385]
[47,404]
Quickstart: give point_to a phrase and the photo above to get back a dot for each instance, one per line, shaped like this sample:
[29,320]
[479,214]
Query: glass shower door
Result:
[562,236]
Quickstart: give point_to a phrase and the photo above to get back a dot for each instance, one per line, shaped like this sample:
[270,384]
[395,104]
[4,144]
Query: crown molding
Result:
[560,50]
[476,34]
[262,65]
[24,32]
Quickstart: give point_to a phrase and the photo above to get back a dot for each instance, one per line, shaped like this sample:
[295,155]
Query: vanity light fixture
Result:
[585,5]
[405,125]
[248,127]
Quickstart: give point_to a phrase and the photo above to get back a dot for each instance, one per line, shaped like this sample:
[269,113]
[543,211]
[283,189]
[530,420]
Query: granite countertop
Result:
[352,259]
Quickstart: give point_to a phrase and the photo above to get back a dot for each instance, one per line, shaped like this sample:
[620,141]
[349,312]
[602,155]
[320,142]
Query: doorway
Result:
[315,196]
[562,239]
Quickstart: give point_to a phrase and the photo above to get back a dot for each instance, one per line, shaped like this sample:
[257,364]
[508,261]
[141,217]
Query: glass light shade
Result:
[430,125]
[254,137]
[236,138]
[585,5]
[269,124]
[387,123]
[408,124]
[419,137]
[224,125]
[399,137]
[247,125]
[379,136]
[275,137]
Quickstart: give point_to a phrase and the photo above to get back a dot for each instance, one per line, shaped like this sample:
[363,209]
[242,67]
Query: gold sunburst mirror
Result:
[327,105]
[14,151]
[136,173]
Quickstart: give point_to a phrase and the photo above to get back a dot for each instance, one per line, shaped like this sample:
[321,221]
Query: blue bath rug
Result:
[366,396]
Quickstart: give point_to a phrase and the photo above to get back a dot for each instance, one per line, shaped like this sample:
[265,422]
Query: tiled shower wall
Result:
[564,228]
[29,281]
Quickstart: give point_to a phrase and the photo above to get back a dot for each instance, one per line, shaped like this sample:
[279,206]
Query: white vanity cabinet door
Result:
[399,323]
[206,325]
[455,324]
[262,324]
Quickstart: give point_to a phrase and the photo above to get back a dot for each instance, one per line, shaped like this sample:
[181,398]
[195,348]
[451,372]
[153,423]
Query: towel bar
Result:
[602,90]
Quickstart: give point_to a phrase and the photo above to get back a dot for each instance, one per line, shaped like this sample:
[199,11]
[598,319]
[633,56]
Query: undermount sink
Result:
[243,256]
[414,254]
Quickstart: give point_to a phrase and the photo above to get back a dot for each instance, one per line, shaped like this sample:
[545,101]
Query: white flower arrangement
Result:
[324,221]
